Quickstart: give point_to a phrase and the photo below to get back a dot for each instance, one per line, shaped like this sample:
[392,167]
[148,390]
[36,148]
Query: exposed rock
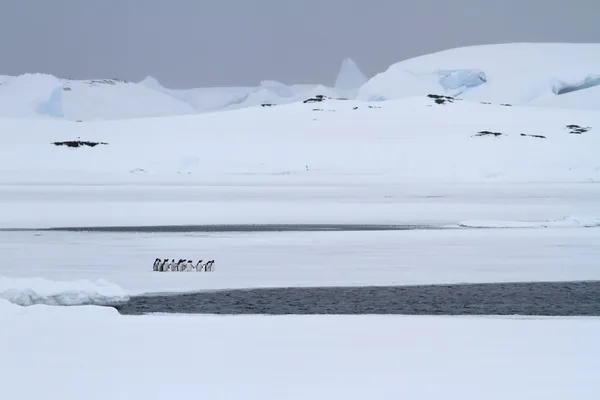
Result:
[78,143]
[534,136]
[578,130]
[489,133]
[317,99]
[440,99]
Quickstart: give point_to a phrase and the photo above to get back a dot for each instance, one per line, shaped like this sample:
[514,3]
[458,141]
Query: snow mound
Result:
[567,222]
[516,73]
[588,99]
[350,78]
[31,291]
[26,95]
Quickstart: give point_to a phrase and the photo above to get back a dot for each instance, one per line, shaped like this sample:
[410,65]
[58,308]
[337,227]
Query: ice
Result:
[350,78]
[461,79]
[53,106]
[30,291]
[590,81]
[515,73]
[21,96]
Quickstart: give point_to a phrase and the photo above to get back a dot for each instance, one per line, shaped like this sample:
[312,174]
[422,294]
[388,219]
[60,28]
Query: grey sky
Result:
[193,43]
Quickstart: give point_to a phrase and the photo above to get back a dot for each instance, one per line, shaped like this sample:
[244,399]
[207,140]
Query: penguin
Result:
[161,266]
[209,265]
[189,265]
[199,266]
[183,265]
[156,263]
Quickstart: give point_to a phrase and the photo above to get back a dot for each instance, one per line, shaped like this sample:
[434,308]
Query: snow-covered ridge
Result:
[31,291]
[46,96]
[553,75]
[515,73]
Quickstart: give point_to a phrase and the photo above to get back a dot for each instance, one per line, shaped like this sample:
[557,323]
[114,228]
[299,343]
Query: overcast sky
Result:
[193,43]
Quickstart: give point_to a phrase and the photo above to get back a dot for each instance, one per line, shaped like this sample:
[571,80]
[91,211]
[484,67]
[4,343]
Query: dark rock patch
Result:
[577,130]
[506,105]
[485,102]
[489,133]
[355,108]
[317,99]
[113,81]
[67,89]
[267,105]
[534,136]
[439,99]
[374,107]
[78,143]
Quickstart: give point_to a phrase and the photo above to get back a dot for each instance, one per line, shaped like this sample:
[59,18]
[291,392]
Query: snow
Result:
[295,357]
[567,222]
[515,73]
[29,291]
[324,142]
[588,99]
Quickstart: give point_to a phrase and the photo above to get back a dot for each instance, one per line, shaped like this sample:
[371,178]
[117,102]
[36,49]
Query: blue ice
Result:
[589,81]
[53,106]
[461,78]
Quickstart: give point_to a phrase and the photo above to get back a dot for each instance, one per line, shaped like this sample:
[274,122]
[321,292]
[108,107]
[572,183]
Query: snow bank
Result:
[30,291]
[515,73]
[567,222]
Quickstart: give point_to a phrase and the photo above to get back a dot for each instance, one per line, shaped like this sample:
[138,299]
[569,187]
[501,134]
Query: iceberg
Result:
[350,76]
[511,73]
[53,106]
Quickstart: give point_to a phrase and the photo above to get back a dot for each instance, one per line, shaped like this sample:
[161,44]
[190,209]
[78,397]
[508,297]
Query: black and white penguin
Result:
[171,265]
[209,265]
[199,266]
[189,266]
[156,263]
[161,266]
[183,265]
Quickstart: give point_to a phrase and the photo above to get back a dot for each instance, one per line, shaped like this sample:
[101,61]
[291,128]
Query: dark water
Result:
[532,298]
[244,228]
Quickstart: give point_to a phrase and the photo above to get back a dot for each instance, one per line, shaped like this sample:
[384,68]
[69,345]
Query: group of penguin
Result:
[182,265]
